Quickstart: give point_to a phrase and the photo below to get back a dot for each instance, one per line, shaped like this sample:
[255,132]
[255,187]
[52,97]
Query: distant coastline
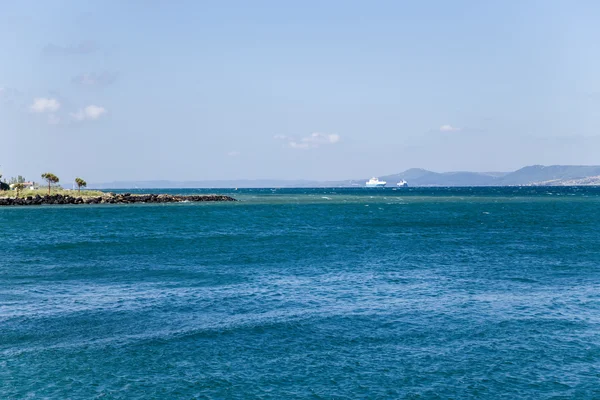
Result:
[535,175]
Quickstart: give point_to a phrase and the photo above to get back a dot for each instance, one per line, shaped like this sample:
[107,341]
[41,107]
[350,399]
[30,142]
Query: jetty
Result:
[109,198]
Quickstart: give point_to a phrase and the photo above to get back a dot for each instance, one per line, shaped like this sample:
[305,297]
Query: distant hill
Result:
[558,174]
[422,177]
[166,184]
[553,175]
[534,175]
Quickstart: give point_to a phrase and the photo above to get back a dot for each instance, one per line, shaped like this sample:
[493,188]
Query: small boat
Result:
[375,182]
[402,183]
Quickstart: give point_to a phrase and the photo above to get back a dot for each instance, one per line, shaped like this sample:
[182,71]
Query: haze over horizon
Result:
[126,91]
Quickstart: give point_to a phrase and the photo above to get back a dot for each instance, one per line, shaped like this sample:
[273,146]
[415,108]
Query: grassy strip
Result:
[42,192]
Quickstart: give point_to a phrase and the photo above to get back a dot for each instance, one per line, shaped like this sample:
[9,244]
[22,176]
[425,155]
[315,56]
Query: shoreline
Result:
[110,198]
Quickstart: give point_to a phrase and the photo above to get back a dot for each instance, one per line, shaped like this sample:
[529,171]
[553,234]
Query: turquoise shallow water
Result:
[333,294]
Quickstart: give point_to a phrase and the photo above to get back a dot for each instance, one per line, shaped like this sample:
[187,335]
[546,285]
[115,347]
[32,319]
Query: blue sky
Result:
[191,90]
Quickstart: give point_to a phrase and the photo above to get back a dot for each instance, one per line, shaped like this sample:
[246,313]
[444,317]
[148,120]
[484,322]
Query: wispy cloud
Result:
[84,47]
[314,140]
[104,78]
[449,128]
[43,104]
[90,112]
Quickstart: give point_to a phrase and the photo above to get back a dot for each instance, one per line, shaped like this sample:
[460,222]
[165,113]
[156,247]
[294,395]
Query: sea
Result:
[408,293]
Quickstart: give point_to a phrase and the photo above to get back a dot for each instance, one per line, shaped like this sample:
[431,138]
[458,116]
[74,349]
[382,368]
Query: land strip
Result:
[108,198]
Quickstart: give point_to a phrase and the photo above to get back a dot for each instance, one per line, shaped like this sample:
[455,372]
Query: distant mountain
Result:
[422,177]
[535,175]
[558,174]
[166,184]
[554,175]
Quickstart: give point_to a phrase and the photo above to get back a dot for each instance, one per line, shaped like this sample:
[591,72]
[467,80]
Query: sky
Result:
[325,90]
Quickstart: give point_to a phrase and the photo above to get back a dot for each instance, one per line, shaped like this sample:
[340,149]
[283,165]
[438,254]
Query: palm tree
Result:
[50,178]
[80,183]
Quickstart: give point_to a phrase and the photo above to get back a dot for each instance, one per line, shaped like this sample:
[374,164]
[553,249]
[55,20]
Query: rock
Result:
[110,198]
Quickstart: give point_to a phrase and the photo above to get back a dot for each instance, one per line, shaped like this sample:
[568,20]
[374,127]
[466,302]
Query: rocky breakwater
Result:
[109,198]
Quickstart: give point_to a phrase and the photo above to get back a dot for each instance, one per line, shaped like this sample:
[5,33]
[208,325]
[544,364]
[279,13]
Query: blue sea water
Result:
[305,293]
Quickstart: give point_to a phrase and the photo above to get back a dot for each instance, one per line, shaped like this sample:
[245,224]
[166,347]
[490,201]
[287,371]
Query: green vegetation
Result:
[80,183]
[42,192]
[3,185]
[50,178]
[18,179]
[19,188]
[23,189]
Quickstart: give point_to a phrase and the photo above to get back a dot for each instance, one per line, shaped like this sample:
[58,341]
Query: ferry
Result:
[375,182]
[402,183]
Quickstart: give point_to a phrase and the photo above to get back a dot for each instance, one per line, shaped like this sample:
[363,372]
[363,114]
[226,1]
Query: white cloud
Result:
[42,104]
[449,128]
[90,112]
[314,140]
[233,153]
[317,138]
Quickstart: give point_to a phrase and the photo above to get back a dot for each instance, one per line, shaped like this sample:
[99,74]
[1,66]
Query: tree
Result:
[18,187]
[80,183]
[50,178]
[18,179]
[3,185]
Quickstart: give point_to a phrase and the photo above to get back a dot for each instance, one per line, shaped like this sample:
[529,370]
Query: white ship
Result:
[374,182]
[402,183]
